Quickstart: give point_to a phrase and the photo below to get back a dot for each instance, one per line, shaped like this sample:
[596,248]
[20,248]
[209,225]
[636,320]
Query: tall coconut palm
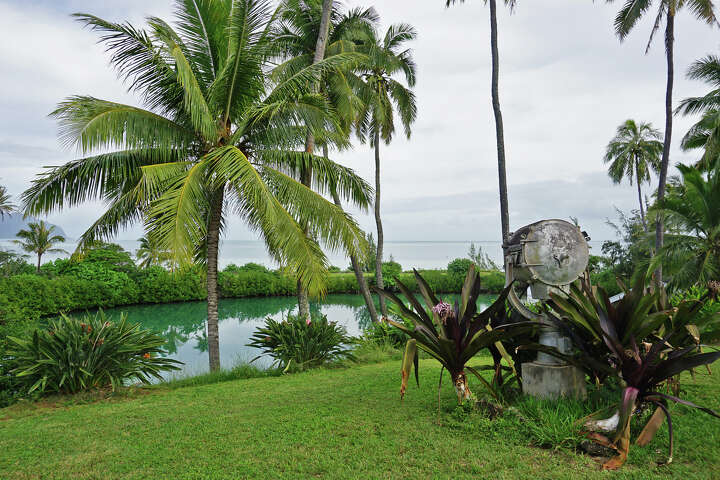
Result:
[6,205]
[40,238]
[499,129]
[626,19]
[151,253]
[692,255]
[213,140]
[301,24]
[293,8]
[383,96]
[705,134]
[633,153]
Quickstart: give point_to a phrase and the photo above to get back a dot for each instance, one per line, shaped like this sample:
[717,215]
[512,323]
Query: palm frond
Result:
[138,62]
[328,176]
[92,124]
[201,24]
[628,16]
[194,102]
[255,202]
[100,177]
[178,216]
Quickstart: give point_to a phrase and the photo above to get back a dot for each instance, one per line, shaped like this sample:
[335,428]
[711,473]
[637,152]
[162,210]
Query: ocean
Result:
[409,254]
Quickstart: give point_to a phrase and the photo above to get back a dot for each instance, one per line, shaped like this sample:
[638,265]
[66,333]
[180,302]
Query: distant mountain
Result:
[11,224]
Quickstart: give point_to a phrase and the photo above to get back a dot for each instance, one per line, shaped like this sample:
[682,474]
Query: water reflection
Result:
[183,324]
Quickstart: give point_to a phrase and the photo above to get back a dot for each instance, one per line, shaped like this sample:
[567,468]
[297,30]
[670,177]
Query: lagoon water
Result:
[183,325]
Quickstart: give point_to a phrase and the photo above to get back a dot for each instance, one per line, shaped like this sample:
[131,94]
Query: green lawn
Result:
[340,423]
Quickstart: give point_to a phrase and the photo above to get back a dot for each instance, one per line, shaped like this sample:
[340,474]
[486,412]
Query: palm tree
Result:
[692,255]
[291,9]
[626,19]
[152,253]
[633,153]
[382,96]
[214,138]
[499,130]
[301,22]
[39,239]
[705,133]
[6,205]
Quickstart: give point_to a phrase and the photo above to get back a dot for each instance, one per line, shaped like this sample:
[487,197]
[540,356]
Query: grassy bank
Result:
[339,423]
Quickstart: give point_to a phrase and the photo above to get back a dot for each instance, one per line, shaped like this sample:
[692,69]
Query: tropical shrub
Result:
[72,355]
[708,325]
[481,259]
[390,270]
[104,276]
[11,388]
[382,333]
[492,281]
[459,266]
[12,263]
[157,285]
[691,254]
[248,267]
[452,334]
[641,342]
[631,251]
[295,344]
[253,283]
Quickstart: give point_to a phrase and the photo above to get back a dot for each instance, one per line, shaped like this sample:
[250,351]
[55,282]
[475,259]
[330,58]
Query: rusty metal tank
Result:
[545,255]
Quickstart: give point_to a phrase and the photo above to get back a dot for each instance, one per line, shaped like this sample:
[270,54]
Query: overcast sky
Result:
[566,84]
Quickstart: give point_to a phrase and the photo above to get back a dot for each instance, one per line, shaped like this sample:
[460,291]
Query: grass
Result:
[241,371]
[330,423]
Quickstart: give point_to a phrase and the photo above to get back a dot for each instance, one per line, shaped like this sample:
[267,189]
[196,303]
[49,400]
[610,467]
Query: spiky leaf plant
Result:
[72,355]
[451,334]
[636,340]
[297,344]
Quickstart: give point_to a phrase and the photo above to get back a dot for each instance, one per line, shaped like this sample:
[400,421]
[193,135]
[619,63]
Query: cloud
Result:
[566,84]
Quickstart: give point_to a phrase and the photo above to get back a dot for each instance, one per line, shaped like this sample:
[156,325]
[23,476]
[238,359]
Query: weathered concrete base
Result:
[552,381]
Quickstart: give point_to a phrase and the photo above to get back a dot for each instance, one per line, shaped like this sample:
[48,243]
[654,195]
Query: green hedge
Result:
[255,284]
[106,276]
[35,296]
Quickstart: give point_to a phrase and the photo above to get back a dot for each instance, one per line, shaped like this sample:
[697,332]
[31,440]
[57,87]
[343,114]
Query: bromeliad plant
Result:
[637,341]
[452,334]
[297,344]
[72,355]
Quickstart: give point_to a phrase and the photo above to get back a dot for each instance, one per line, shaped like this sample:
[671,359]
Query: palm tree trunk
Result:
[659,225]
[499,130]
[639,189]
[378,222]
[38,264]
[359,276]
[213,241]
[320,44]
[324,30]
